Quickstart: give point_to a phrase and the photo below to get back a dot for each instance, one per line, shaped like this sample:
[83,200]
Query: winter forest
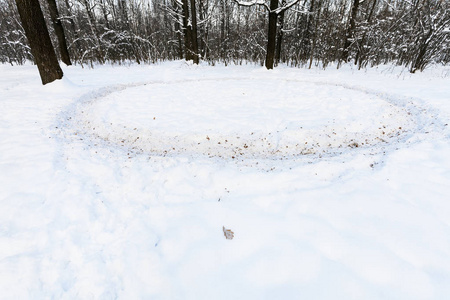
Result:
[225,149]
[411,33]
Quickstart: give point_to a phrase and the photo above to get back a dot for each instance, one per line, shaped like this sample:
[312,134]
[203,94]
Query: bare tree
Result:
[37,34]
[187,30]
[280,26]
[194,38]
[274,10]
[430,26]
[272,34]
[349,35]
[177,25]
[411,33]
[59,31]
[93,27]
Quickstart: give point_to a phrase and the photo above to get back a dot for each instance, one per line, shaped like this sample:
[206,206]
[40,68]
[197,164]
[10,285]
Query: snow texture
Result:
[121,181]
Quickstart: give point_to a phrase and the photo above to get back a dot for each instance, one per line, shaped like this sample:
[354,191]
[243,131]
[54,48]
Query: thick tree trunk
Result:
[194,41]
[272,34]
[280,35]
[37,34]
[59,31]
[187,31]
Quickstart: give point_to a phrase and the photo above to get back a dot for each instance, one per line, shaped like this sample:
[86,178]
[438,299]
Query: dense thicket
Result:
[367,32]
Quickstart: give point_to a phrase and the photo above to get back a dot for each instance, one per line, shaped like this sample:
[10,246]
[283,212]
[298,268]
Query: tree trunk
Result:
[59,31]
[272,34]
[124,15]
[308,34]
[360,52]
[280,35]
[75,45]
[187,31]
[178,29]
[104,12]
[126,26]
[350,31]
[194,41]
[419,62]
[93,25]
[223,42]
[316,24]
[203,29]
[37,34]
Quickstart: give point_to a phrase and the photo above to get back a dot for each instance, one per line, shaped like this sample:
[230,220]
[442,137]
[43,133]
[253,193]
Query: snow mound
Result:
[244,118]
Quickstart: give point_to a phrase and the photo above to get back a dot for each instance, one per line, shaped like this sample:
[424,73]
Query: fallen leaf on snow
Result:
[229,235]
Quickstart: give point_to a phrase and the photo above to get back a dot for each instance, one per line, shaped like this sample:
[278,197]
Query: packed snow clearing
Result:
[243,118]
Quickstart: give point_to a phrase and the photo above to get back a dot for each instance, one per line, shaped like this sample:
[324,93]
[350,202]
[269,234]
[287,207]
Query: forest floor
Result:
[119,181]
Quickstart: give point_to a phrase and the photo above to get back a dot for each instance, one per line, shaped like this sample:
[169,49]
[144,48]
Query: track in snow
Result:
[241,118]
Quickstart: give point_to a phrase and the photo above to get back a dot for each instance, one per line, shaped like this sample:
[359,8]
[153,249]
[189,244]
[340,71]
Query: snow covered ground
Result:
[116,182]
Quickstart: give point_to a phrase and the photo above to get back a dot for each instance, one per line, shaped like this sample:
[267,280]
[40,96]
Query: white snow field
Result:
[116,183]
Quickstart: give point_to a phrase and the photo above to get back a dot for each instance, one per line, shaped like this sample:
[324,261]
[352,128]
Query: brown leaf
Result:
[229,235]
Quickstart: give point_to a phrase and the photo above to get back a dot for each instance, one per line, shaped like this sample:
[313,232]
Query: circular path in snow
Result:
[244,118]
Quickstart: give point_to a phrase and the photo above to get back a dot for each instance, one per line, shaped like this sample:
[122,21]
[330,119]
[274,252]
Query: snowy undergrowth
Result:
[99,214]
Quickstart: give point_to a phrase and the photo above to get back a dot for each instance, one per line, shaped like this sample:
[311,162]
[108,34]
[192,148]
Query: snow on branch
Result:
[253,2]
[285,7]
[263,3]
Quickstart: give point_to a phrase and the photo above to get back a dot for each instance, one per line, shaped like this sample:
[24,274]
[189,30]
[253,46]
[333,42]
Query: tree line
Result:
[412,33]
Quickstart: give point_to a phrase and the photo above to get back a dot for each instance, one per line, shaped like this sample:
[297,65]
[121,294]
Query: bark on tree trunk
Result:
[187,31]
[59,31]
[272,34]
[350,31]
[280,35]
[203,29]
[178,29]
[37,34]
[194,38]
[223,42]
